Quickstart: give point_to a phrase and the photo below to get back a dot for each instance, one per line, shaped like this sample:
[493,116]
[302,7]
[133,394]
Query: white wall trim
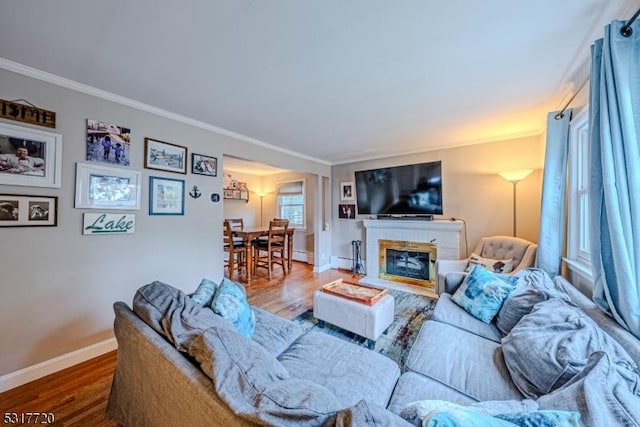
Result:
[321,268]
[39,370]
[341,263]
[99,93]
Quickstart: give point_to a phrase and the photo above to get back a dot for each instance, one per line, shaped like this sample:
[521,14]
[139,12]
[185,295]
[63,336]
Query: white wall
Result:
[58,286]
[472,191]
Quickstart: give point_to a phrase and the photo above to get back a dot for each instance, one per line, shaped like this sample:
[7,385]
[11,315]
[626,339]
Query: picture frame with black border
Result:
[28,211]
[166,196]
[30,157]
[204,165]
[165,156]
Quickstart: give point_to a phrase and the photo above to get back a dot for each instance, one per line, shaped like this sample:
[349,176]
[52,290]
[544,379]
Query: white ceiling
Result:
[333,80]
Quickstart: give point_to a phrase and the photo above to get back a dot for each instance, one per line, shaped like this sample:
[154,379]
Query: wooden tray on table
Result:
[354,291]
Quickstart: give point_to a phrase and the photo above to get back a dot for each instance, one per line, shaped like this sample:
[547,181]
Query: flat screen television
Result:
[410,190]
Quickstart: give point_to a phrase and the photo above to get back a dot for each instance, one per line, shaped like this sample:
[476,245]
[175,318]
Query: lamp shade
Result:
[515,175]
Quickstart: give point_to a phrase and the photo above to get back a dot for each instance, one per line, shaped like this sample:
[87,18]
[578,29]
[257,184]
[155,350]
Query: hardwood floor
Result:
[77,396]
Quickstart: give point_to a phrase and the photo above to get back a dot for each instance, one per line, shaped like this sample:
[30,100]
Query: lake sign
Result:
[108,223]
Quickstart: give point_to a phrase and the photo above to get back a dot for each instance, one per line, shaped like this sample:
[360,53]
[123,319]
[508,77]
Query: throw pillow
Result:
[204,292]
[552,344]
[230,302]
[502,266]
[543,418]
[482,293]
[533,285]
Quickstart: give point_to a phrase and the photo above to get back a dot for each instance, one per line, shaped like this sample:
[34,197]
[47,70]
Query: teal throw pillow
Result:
[482,293]
[204,293]
[543,418]
[230,302]
[462,417]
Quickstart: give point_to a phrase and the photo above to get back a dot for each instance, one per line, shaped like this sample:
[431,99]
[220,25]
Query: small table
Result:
[248,234]
[363,310]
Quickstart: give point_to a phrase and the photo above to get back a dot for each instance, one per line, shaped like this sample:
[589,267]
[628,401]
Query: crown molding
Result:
[108,96]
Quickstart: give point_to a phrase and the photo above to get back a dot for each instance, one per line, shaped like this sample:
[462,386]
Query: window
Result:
[578,248]
[291,202]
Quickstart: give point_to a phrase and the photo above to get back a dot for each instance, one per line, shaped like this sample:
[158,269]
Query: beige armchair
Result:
[522,252]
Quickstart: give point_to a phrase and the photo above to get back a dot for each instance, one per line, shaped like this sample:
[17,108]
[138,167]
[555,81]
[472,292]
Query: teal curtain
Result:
[614,193]
[550,238]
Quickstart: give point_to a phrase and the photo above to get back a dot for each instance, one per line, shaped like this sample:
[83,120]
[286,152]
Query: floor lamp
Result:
[514,177]
[262,194]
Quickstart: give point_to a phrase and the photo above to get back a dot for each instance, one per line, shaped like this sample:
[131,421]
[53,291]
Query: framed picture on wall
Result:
[108,143]
[347,211]
[28,211]
[166,196]
[106,187]
[204,165]
[30,157]
[347,191]
[165,156]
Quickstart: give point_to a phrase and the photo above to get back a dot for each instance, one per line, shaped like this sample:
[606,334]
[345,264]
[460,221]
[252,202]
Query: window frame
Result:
[578,246]
[299,226]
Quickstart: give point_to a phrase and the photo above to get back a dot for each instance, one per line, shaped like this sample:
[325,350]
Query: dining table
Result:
[249,234]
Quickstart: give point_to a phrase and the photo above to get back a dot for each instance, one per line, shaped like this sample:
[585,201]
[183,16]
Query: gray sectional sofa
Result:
[181,364]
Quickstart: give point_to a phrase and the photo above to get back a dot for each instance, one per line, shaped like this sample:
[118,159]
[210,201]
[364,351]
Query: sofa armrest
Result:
[446,266]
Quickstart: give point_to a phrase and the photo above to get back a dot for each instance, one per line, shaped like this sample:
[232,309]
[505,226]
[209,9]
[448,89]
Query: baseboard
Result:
[321,268]
[339,263]
[42,369]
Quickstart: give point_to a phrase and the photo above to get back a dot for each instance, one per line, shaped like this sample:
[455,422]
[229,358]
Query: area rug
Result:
[411,311]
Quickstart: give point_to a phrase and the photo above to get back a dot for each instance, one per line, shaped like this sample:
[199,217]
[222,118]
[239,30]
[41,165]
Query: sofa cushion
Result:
[446,311]
[256,386]
[605,394]
[467,363]
[494,265]
[230,302]
[204,293]
[365,414]
[351,372]
[274,333]
[482,293]
[552,344]
[533,285]
[170,312]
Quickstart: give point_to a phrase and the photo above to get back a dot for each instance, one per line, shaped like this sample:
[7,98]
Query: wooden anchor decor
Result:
[28,113]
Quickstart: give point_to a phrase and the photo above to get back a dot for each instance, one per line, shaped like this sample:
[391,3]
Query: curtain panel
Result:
[614,194]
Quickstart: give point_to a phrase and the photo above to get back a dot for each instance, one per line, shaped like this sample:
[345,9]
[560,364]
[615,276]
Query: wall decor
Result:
[166,196]
[30,113]
[347,191]
[106,187]
[30,157]
[108,223]
[195,192]
[108,143]
[165,156]
[204,165]
[28,211]
[347,211]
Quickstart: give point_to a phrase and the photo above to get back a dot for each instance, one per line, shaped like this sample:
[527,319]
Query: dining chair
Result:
[272,250]
[236,224]
[237,249]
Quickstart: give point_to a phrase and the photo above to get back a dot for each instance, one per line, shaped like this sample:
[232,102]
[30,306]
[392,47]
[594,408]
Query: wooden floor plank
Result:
[77,396]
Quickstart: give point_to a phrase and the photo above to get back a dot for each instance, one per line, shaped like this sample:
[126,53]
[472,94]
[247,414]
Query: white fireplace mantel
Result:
[445,234]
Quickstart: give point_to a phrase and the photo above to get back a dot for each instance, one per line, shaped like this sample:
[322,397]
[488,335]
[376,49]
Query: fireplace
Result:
[407,262]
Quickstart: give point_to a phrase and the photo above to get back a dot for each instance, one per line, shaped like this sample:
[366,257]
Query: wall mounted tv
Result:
[410,190]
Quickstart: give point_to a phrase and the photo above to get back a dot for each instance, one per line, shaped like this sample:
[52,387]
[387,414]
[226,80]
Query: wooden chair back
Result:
[236,223]
[278,231]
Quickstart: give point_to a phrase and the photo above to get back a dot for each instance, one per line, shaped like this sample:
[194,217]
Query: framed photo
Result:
[204,165]
[165,156]
[106,187]
[108,143]
[347,211]
[347,191]
[30,157]
[28,211]
[166,196]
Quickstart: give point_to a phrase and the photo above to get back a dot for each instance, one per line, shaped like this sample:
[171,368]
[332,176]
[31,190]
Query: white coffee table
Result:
[368,321]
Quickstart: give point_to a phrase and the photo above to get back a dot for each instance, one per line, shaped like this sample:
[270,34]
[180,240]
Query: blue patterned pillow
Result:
[204,293]
[482,293]
[543,418]
[465,417]
[231,303]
